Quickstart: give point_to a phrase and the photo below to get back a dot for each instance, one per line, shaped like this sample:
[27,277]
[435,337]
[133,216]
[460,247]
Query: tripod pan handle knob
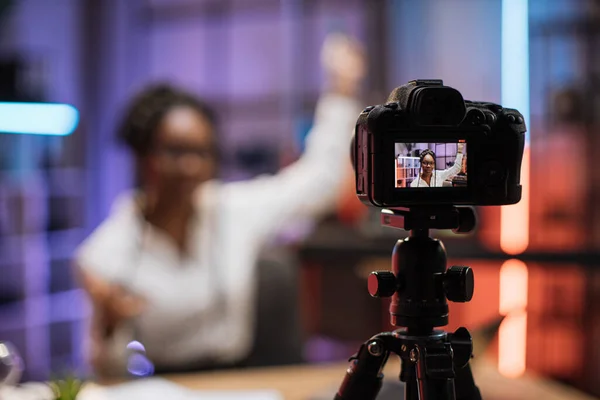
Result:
[382,284]
[459,284]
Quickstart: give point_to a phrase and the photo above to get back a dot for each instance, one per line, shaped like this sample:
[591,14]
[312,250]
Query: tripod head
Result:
[419,282]
[420,285]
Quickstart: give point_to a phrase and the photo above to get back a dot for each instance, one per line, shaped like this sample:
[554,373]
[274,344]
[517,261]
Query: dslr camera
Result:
[412,151]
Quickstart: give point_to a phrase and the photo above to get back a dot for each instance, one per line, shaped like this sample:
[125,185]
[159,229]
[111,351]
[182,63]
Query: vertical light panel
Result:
[514,220]
[513,286]
[512,346]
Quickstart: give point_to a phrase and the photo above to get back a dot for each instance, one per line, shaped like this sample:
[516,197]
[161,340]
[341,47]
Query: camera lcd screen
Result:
[430,165]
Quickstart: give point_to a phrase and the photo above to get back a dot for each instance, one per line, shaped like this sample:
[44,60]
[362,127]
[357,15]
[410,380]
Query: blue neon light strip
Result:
[38,118]
[515,57]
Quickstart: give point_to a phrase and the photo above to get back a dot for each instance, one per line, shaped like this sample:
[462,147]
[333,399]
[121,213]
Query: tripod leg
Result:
[435,375]
[411,390]
[465,384]
[364,377]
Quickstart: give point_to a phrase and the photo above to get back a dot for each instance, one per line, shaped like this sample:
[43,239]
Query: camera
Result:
[412,151]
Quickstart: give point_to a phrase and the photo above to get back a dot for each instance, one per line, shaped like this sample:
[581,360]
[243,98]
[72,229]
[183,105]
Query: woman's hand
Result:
[112,303]
[461,147]
[344,62]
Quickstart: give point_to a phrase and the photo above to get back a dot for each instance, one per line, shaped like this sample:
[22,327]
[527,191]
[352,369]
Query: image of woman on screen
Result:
[429,176]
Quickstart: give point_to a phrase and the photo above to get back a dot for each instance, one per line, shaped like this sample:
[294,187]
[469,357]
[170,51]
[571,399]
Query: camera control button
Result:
[475,117]
[520,120]
[511,118]
[497,108]
[393,106]
[490,118]
[368,108]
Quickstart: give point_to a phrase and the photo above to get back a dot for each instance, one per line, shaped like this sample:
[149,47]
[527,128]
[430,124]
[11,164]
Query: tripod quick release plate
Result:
[458,219]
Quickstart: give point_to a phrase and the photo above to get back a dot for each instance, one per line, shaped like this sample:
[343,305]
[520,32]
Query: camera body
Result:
[424,117]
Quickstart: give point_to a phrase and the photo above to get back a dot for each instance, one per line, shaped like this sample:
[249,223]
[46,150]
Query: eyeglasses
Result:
[177,152]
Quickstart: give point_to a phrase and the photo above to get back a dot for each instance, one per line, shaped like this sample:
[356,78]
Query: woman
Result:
[173,265]
[429,176]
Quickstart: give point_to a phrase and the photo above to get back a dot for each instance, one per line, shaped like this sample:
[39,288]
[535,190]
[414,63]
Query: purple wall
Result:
[457,41]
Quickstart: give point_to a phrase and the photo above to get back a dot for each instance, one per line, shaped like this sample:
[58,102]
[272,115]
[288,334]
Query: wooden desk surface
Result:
[309,381]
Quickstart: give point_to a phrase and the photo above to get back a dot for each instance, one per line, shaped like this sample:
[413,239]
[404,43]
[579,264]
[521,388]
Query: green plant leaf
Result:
[67,388]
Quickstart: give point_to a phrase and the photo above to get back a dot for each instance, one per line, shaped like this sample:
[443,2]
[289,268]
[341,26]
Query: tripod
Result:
[434,363]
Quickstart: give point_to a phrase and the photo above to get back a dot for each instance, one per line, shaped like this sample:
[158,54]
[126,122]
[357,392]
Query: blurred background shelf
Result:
[63,306]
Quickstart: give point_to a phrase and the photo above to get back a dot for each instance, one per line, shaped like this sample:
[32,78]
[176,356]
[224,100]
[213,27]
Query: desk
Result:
[306,382]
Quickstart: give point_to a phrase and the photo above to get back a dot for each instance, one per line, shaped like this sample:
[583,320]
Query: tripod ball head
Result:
[459,284]
[420,284]
[435,364]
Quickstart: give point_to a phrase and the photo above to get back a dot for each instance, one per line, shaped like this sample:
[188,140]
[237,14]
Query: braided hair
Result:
[422,155]
[426,152]
[146,111]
